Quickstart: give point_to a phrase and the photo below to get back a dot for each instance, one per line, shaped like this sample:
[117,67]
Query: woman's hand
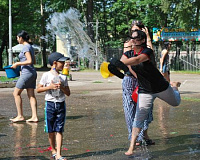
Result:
[145,30]
[14,66]
[149,44]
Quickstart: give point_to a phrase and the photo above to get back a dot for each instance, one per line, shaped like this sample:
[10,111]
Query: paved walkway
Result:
[95,126]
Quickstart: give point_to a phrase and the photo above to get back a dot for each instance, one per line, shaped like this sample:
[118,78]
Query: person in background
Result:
[164,61]
[15,58]
[27,79]
[129,84]
[55,108]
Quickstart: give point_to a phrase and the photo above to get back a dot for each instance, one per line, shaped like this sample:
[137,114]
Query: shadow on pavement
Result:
[99,153]
[25,158]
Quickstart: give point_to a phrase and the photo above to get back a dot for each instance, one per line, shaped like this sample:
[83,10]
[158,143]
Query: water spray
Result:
[69,29]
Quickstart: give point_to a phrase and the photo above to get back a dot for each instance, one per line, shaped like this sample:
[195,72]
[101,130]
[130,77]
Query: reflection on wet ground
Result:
[95,128]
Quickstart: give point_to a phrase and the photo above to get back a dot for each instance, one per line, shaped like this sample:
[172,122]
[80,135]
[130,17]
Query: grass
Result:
[85,92]
[191,99]
[5,79]
[187,72]
[97,82]
[38,66]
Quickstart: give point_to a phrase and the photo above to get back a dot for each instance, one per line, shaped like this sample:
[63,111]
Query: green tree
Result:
[22,19]
[3,28]
[120,14]
[115,17]
[181,14]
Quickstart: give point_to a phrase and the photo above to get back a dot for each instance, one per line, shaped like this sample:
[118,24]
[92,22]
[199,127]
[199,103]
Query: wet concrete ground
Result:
[95,126]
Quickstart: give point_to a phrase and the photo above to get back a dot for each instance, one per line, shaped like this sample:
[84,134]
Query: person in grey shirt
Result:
[27,79]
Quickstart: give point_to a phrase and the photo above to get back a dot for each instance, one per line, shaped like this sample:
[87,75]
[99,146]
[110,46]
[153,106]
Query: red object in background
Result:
[135,95]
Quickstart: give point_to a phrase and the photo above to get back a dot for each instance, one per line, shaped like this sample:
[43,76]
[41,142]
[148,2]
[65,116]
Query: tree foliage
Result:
[115,17]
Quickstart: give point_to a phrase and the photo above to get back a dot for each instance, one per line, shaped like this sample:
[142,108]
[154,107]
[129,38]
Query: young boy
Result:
[55,109]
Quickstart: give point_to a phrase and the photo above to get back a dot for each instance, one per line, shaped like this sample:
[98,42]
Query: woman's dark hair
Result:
[141,35]
[137,23]
[166,45]
[24,35]
[134,23]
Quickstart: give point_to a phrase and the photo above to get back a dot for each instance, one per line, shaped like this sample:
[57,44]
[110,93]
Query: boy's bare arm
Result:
[41,88]
[65,90]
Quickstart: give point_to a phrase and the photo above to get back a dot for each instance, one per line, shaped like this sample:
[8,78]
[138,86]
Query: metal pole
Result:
[97,64]
[96,48]
[10,35]
[68,39]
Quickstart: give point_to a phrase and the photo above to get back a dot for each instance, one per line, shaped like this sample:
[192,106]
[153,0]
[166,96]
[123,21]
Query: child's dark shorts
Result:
[55,115]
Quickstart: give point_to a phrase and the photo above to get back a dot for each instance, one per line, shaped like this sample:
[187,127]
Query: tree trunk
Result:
[105,35]
[90,24]
[43,34]
[3,44]
[89,17]
[197,15]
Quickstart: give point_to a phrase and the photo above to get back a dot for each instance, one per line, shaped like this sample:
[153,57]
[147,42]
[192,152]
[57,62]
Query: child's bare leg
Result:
[135,132]
[52,142]
[175,85]
[166,76]
[59,138]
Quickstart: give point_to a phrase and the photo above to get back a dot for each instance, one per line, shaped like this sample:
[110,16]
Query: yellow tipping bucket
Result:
[105,73]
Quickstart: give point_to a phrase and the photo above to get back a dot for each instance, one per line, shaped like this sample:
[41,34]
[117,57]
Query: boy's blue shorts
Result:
[55,115]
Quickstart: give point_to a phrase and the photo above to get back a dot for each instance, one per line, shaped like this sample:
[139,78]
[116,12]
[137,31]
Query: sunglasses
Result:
[136,37]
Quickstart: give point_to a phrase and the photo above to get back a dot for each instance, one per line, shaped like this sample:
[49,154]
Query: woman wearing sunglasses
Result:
[129,84]
[151,83]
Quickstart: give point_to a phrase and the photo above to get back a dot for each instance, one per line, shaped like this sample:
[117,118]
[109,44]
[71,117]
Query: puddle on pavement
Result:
[95,129]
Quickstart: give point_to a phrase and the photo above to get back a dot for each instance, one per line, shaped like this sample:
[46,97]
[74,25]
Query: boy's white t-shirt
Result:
[46,79]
